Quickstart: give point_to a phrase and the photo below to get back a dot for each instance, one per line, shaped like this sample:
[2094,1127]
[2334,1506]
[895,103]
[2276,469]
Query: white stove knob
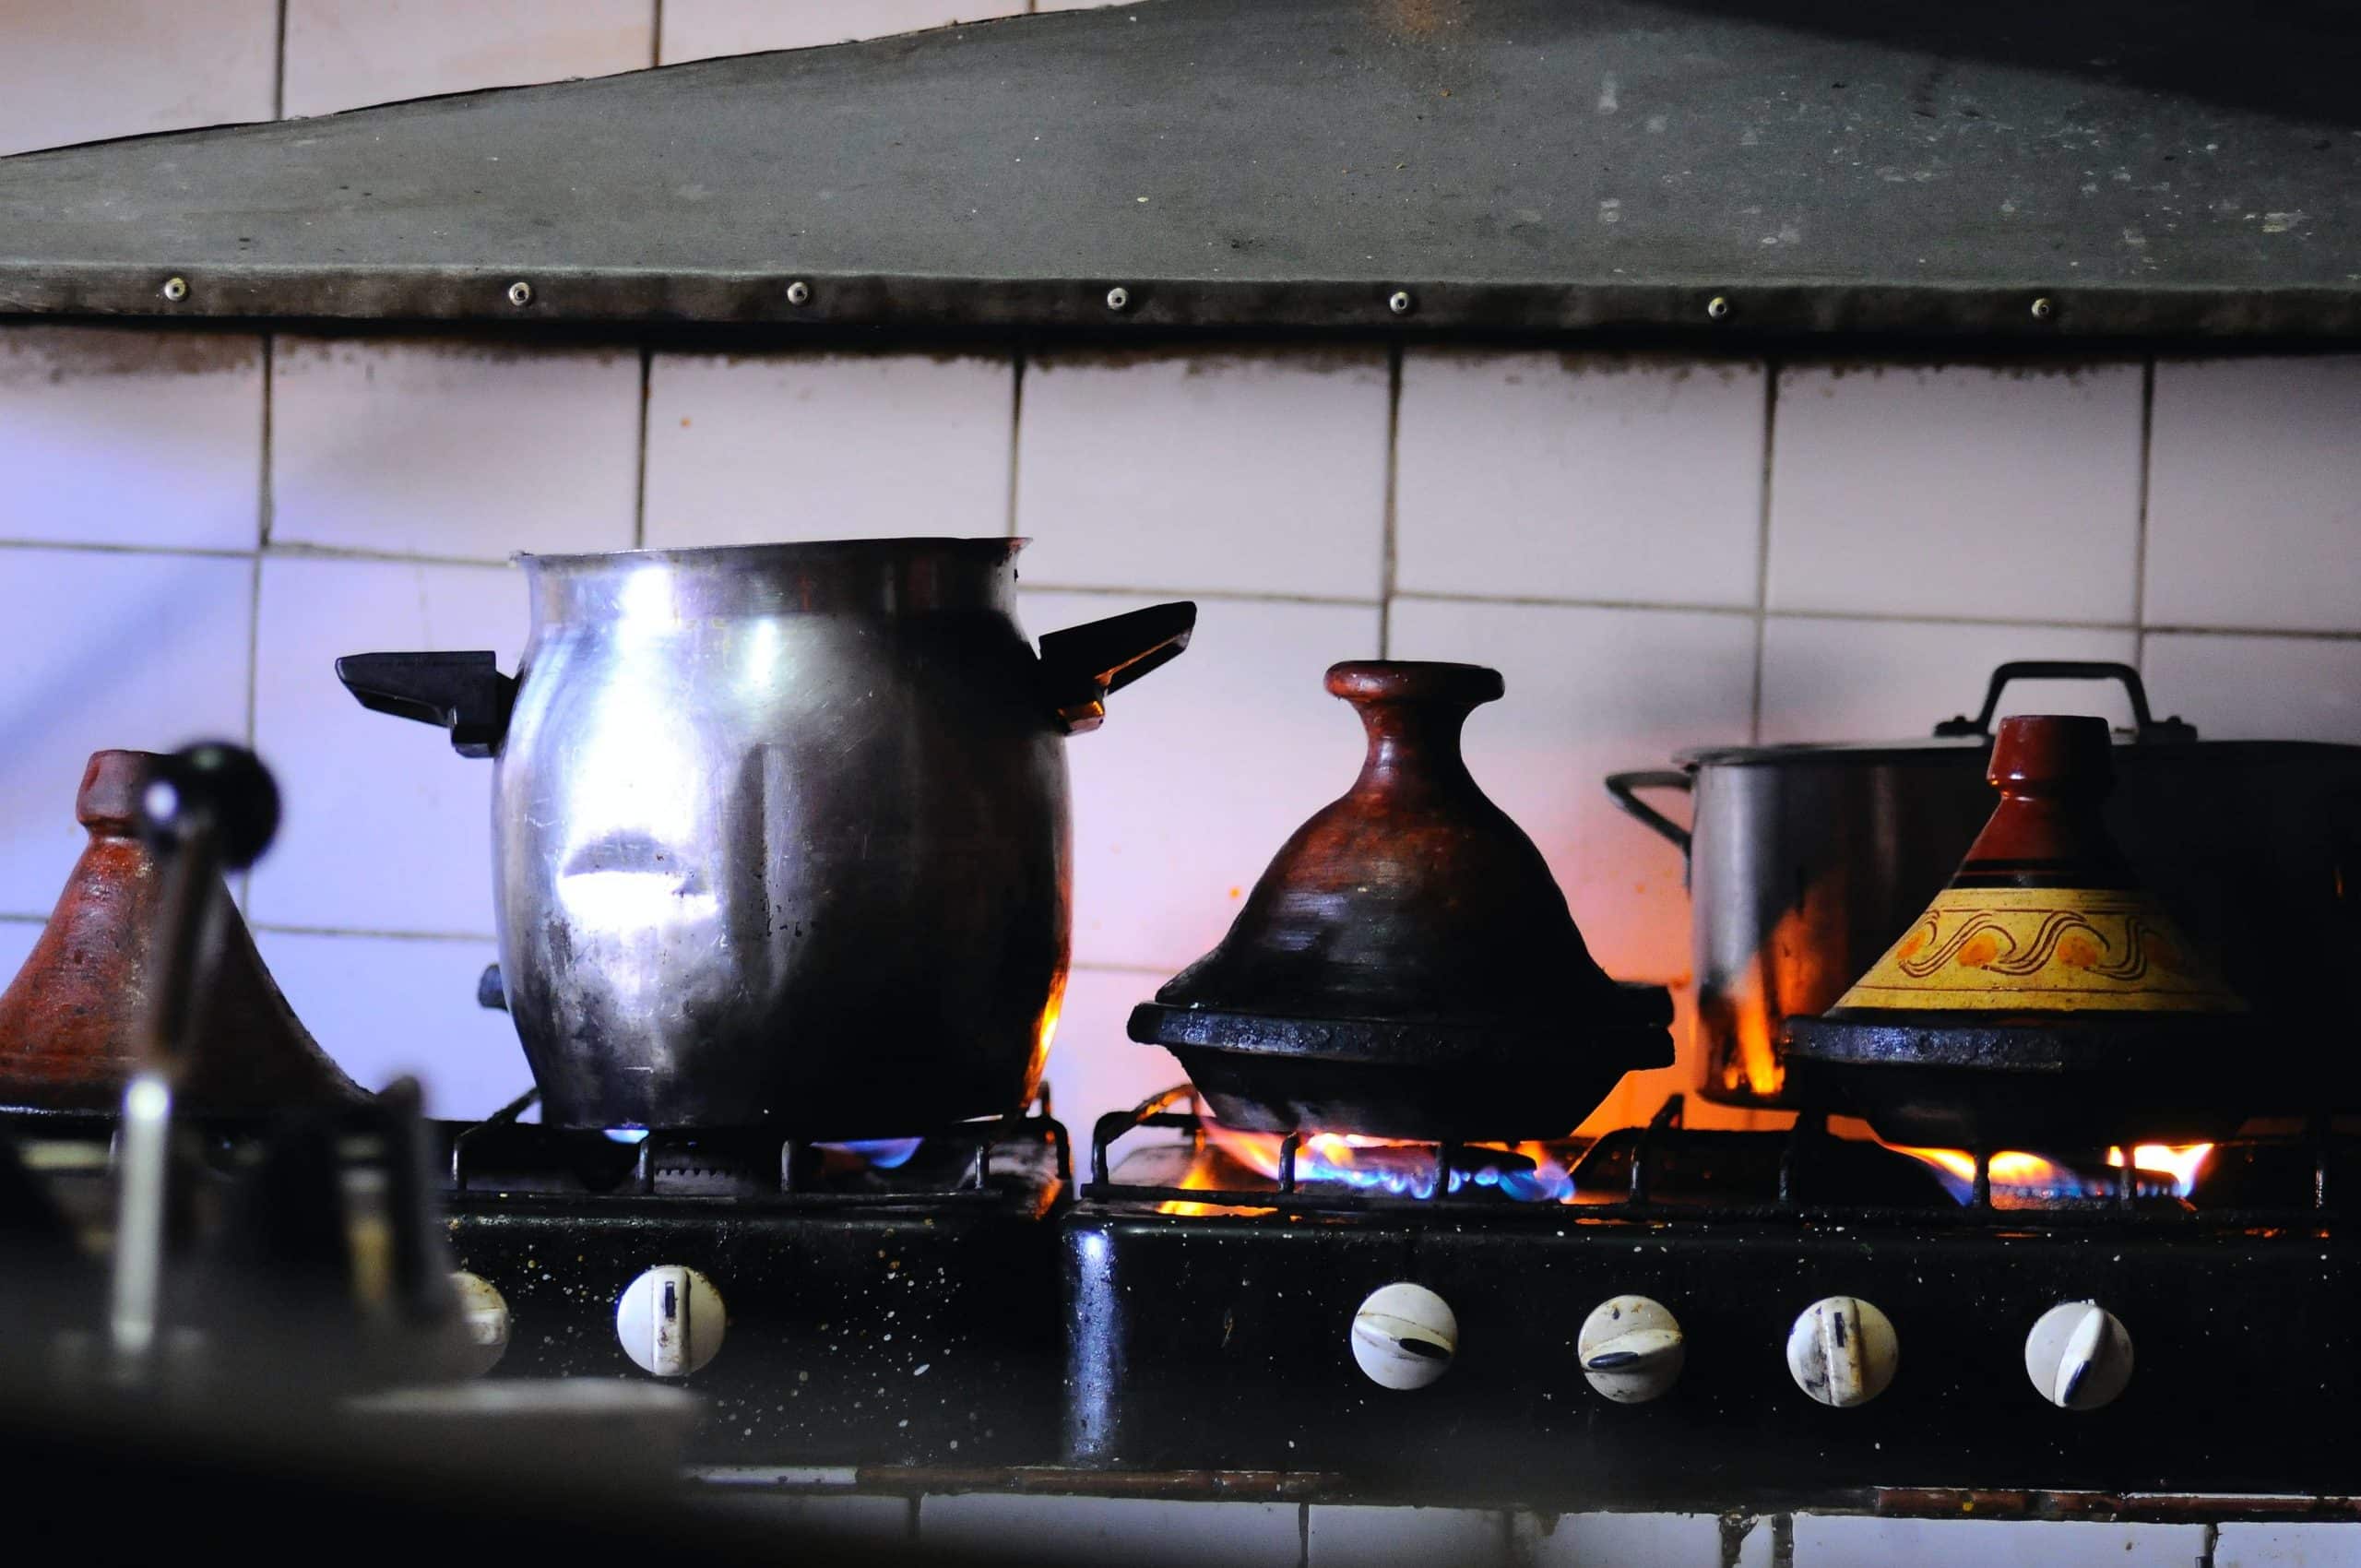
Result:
[1405,1335]
[671,1320]
[1631,1349]
[2079,1356]
[483,1322]
[1843,1351]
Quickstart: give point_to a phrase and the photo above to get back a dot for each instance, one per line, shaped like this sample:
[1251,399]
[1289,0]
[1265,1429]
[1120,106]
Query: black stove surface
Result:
[886,1304]
[1199,1289]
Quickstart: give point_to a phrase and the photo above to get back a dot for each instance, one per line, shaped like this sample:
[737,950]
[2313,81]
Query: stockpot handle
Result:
[464,693]
[2145,726]
[1624,787]
[1081,664]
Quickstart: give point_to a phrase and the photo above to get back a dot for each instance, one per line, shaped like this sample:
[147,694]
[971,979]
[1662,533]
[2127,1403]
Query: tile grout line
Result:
[1015,431]
[1763,549]
[285,929]
[639,488]
[263,518]
[1390,509]
[2139,534]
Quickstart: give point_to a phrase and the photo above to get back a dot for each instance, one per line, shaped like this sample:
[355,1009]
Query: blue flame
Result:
[882,1153]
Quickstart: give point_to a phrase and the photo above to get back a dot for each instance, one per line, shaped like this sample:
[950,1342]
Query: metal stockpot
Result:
[780,832]
[1806,861]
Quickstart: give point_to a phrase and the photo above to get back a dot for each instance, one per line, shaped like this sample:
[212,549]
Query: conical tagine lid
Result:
[2043,916]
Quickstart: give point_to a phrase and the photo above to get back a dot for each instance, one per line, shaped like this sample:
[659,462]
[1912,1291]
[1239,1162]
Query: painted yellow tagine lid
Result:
[2044,915]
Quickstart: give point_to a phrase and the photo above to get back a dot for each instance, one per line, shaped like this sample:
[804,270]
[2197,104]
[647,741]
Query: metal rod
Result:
[1982,1197]
[1288,1146]
[137,1282]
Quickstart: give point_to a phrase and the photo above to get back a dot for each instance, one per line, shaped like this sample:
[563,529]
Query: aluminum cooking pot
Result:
[1806,861]
[780,832]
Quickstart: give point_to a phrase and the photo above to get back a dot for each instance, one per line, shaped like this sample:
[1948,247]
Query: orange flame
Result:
[2022,1180]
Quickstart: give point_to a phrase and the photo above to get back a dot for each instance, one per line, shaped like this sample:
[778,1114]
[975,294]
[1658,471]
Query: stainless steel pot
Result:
[780,832]
[1805,864]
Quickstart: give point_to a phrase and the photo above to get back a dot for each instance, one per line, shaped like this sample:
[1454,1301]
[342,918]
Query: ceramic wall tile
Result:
[387,1006]
[1839,679]
[1095,1067]
[118,436]
[1202,770]
[1846,1542]
[2288,1546]
[107,649]
[84,71]
[1342,1537]
[1592,692]
[1637,1540]
[694,30]
[1957,489]
[2254,494]
[385,829]
[464,450]
[1258,472]
[17,939]
[1579,476]
[341,53]
[1100,1530]
[2258,688]
[746,449]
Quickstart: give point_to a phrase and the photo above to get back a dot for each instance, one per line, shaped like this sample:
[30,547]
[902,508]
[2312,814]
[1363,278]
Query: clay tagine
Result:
[70,1022]
[2046,997]
[1406,966]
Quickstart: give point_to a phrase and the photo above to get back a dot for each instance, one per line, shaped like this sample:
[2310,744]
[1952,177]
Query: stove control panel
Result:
[1630,1349]
[1405,1335]
[484,1314]
[671,1320]
[2079,1356]
[1842,1351]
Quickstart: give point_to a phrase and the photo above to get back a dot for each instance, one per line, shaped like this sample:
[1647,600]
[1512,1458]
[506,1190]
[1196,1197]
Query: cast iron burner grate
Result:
[1024,1155]
[1663,1170]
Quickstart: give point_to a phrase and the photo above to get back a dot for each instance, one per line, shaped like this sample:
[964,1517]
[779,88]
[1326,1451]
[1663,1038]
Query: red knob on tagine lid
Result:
[70,1021]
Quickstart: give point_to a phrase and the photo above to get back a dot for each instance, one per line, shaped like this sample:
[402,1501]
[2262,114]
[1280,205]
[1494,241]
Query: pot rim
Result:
[1956,750]
[990,550]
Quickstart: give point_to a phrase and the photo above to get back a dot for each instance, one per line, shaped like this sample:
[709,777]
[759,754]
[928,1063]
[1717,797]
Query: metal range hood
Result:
[2012,172]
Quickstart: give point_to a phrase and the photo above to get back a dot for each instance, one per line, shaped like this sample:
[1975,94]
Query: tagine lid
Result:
[2043,916]
[1409,915]
[71,1021]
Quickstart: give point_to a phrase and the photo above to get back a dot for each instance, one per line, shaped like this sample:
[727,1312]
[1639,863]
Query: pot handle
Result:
[1081,664]
[1623,787]
[2144,726]
[464,693]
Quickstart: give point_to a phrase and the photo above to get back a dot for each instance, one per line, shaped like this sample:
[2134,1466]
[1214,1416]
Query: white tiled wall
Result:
[1657,552]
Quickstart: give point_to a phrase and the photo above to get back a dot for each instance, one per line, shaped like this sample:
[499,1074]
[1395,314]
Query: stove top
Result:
[1699,1318]
[879,1303]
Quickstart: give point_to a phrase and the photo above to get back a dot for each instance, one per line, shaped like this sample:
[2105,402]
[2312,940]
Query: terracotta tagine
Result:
[70,1022]
[1406,966]
[2044,993]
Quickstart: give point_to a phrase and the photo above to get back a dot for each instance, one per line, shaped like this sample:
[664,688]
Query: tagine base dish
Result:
[1964,1081]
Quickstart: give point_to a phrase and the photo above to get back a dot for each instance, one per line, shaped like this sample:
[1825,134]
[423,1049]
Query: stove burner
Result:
[1666,1171]
[1022,1155]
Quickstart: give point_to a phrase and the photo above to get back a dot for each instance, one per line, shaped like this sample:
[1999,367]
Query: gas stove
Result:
[1658,1318]
[891,1302]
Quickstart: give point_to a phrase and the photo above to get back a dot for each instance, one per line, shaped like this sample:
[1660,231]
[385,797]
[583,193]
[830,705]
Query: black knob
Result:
[224,785]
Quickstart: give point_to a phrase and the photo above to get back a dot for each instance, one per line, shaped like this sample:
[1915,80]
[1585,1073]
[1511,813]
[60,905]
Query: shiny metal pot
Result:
[1806,862]
[780,832]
